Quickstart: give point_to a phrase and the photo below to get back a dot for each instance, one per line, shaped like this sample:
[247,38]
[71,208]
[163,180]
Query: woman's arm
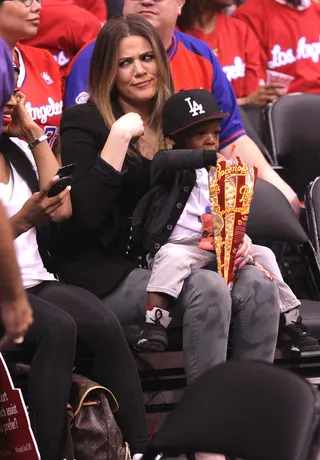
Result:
[98,177]
[16,313]
[47,165]
[38,209]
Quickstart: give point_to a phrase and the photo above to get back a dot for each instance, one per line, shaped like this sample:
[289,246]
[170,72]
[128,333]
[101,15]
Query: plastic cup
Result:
[278,77]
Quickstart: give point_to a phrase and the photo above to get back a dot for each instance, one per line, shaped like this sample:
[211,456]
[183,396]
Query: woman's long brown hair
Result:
[104,68]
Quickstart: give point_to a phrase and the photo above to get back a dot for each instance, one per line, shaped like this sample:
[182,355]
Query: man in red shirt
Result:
[96,7]
[288,31]
[63,30]
[235,45]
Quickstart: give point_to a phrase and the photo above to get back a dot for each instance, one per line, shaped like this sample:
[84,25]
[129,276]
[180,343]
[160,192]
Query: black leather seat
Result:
[246,410]
[295,138]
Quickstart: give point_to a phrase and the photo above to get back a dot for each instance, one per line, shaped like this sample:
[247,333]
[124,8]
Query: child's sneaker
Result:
[153,336]
[298,336]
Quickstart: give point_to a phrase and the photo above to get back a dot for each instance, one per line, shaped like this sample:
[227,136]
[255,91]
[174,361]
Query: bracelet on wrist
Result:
[38,141]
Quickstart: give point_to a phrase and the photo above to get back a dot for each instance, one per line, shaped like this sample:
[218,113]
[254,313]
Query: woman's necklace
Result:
[147,144]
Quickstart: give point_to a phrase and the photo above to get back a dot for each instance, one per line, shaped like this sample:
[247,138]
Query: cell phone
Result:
[65,179]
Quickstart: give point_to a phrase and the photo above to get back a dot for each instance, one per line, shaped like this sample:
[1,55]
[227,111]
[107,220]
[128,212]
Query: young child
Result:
[191,122]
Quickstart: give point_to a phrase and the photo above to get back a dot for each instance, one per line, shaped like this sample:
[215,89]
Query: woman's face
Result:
[9,107]
[17,21]
[137,78]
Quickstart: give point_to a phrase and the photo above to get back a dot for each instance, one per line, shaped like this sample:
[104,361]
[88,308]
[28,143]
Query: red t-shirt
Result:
[290,39]
[40,81]
[238,51]
[64,29]
[96,7]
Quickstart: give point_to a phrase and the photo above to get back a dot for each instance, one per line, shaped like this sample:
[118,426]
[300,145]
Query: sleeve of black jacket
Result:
[170,161]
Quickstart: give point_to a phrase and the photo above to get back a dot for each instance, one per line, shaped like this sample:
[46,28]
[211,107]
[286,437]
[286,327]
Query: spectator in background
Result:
[63,30]
[39,77]
[288,31]
[236,47]
[96,7]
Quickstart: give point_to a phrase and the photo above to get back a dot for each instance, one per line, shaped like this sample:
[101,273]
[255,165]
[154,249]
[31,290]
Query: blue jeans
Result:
[205,308]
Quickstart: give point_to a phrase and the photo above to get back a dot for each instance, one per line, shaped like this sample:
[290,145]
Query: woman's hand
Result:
[39,209]
[22,123]
[129,125]
[244,252]
[17,317]
[266,93]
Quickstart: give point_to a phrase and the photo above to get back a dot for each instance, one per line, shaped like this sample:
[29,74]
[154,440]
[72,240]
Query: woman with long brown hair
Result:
[112,138]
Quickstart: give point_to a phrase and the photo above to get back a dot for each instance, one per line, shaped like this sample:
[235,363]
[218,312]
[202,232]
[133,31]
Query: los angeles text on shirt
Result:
[303,50]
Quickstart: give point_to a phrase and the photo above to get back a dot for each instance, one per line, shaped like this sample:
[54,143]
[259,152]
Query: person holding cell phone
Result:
[34,192]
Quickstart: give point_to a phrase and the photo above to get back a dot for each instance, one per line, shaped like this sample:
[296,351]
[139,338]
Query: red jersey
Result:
[40,81]
[96,7]
[290,39]
[238,51]
[63,30]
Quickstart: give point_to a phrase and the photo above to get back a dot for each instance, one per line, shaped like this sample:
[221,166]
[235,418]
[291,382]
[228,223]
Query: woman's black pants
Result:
[69,322]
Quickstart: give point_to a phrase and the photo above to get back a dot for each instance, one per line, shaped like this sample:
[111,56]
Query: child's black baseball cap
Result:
[187,108]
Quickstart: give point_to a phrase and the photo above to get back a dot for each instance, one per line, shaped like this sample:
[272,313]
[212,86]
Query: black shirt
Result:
[94,249]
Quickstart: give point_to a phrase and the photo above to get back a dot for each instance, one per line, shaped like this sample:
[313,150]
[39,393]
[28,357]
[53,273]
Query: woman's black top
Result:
[94,248]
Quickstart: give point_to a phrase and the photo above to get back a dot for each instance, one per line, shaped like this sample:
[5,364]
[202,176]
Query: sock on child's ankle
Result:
[156,313]
[291,316]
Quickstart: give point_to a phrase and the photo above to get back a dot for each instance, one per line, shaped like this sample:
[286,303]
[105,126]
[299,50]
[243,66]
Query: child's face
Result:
[201,136]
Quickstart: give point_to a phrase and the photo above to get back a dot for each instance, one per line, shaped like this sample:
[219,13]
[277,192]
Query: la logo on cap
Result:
[195,108]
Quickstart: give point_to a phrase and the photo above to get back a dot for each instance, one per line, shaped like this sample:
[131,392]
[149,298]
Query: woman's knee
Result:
[209,282]
[209,288]
[60,333]
[254,285]
[101,323]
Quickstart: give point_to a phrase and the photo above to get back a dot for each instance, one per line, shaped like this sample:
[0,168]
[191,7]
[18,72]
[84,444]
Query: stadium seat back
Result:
[295,137]
[252,411]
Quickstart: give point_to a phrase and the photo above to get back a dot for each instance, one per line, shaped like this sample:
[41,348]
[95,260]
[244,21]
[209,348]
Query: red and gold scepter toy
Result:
[231,188]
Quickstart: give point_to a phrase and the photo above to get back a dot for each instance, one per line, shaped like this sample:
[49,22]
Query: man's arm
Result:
[15,309]
[248,150]
[76,87]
